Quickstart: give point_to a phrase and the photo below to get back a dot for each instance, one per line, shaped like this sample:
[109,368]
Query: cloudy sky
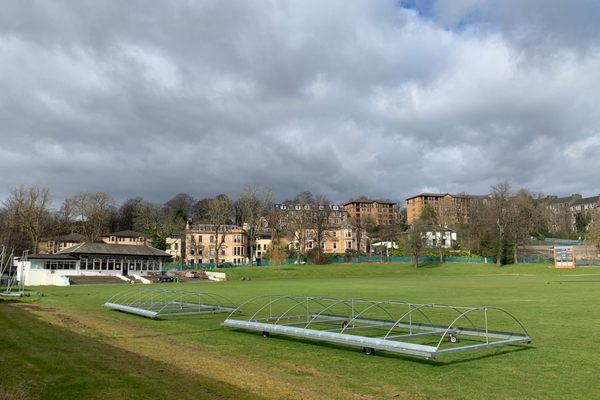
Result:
[381,98]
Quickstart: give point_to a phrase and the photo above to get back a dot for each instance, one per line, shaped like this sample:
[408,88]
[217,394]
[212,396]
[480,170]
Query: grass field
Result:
[64,345]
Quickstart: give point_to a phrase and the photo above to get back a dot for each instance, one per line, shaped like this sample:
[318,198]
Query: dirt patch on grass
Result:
[17,393]
[276,380]
[32,307]
[195,360]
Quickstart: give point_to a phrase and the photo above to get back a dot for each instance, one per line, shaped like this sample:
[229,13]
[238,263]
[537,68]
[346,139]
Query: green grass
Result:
[65,345]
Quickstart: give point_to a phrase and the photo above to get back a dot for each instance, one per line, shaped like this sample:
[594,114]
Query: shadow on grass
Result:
[450,359]
[127,317]
[53,362]
[429,265]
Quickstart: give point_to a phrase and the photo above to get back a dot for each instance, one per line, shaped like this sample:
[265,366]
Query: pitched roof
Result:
[587,200]
[132,234]
[370,201]
[115,249]
[462,196]
[51,257]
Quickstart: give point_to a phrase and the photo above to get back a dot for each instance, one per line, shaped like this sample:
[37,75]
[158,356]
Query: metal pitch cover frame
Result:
[156,303]
[425,330]
[14,286]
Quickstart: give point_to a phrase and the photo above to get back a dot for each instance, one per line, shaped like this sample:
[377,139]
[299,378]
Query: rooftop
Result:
[129,234]
[114,249]
[461,196]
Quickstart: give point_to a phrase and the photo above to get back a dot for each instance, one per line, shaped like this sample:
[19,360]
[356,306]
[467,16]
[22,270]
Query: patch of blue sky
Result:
[423,7]
[426,10]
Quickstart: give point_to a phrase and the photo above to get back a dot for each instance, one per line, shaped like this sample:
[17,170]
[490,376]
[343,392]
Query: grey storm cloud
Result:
[380,98]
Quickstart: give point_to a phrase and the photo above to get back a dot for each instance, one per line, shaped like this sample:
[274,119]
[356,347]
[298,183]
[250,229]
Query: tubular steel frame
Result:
[156,303]
[426,330]
[12,280]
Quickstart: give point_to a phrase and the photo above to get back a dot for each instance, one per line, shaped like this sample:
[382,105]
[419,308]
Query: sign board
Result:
[564,257]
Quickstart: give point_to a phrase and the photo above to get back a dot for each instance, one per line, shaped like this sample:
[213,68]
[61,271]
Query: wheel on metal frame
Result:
[345,324]
[265,334]
[453,338]
[368,351]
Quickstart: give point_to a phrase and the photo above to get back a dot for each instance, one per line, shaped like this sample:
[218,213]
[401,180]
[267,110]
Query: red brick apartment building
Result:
[452,209]
[382,212]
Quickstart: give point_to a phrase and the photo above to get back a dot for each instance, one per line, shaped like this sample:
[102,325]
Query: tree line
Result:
[26,218]
[496,227]
[502,223]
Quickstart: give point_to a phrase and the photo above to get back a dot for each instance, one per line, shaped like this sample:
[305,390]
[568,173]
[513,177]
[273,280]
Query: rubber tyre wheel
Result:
[265,334]
[368,351]
[453,339]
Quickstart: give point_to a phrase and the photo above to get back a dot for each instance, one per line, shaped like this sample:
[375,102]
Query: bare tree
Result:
[94,210]
[436,223]
[414,240]
[362,223]
[319,221]
[298,220]
[66,218]
[390,233]
[253,205]
[593,233]
[476,231]
[218,214]
[527,220]
[277,223]
[27,211]
[501,212]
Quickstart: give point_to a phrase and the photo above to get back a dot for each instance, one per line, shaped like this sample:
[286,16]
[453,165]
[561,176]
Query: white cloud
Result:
[347,98]
[156,67]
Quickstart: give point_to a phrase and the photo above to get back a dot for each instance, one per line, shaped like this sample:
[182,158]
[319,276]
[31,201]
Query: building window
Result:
[349,245]
[334,246]
[348,234]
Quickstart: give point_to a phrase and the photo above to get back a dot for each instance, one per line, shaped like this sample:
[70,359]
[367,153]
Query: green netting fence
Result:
[342,259]
[406,259]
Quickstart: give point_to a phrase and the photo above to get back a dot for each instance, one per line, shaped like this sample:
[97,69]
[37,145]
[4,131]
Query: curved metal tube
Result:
[268,304]
[410,311]
[512,316]
[159,299]
[375,304]
[453,322]
[306,301]
[239,307]
[327,308]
